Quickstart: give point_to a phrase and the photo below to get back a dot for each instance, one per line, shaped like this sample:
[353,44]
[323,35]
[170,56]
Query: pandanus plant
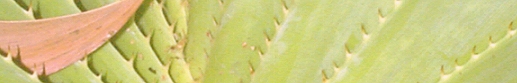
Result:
[258,41]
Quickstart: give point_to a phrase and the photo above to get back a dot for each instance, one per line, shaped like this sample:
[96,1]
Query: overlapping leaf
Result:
[277,41]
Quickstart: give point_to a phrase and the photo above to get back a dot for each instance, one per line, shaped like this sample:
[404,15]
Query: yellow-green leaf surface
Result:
[11,73]
[290,41]
[414,41]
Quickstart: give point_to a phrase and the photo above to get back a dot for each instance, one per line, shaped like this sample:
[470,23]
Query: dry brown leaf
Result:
[48,45]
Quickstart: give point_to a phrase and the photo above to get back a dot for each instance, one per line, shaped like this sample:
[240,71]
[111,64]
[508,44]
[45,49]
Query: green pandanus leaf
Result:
[15,11]
[175,12]
[153,24]
[10,72]
[393,41]
[240,39]
[111,66]
[280,41]
[200,34]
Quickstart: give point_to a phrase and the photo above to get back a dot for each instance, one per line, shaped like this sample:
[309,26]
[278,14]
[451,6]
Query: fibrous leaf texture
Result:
[259,41]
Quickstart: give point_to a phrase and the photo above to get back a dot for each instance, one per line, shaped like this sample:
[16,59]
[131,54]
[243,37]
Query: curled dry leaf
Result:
[48,45]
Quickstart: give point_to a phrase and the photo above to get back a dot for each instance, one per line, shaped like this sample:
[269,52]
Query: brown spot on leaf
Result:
[152,70]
